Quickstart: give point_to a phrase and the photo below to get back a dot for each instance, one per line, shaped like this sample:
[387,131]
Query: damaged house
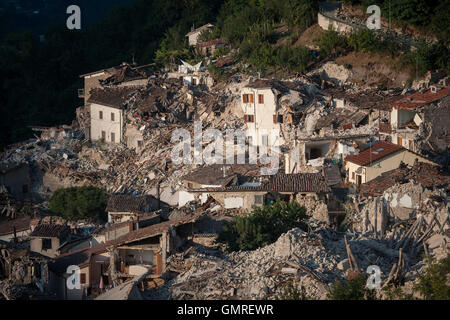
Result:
[420,120]
[377,159]
[47,239]
[15,177]
[141,252]
[21,268]
[123,208]
[107,113]
[266,105]
[194,33]
[243,192]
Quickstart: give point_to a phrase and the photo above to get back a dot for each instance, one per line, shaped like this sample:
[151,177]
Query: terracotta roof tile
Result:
[126,203]
[376,152]
[50,230]
[419,99]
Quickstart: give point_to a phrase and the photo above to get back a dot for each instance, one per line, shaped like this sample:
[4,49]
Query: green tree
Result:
[292,292]
[79,203]
[331,43]
[263,226]
[434,284]
[352,289]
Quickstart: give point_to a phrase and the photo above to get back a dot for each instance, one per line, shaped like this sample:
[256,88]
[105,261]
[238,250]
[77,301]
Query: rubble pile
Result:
[313,259]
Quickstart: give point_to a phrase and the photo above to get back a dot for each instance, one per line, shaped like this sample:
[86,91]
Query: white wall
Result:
[98,125]
[263,116]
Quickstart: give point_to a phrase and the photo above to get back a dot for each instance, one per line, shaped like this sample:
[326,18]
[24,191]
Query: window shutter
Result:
[245,98]
[252,118]
[251,98]
[260,98]
[274,118]
[245,118]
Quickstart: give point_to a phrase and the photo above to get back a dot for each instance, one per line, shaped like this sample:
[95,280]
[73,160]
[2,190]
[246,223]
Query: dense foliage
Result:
[79,203]
[434,284]
[351,289]
[39,80]
[263,226]
[293,292]
[428,15]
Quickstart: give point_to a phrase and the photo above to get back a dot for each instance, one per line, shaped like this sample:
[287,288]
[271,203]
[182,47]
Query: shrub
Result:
[330,43]
[292,292]
[434,284]
[352,289]
[79,203]
[263,226]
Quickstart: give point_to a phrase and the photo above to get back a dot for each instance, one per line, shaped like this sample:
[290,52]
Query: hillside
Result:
[273,38]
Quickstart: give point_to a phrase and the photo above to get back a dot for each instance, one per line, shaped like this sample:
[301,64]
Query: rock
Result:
[343,265]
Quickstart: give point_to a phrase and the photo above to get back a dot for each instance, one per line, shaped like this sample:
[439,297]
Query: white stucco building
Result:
[259,101]
[106,111]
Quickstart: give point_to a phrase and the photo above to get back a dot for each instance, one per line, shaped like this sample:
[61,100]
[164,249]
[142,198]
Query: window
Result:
[112,116]
[100,115]
[190,186]
[139,143]
[353,176]
[246,98]
[249,118]
[103,135]
[194,81]
[83,278]
[25,188]
[259,199]
[113,137]
[277,118]
[46,244]
[260,98]
[265,140]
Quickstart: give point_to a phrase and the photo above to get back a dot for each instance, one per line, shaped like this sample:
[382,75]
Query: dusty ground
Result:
[373,69]
[307,37]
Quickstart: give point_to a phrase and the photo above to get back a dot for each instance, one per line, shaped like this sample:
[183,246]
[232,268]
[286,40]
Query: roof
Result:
[211,42]
[77,258]
[148,232]
[111,97]
[21,224]
[419,99]
[298,182]
[267,84]
[50,230]
[200,29]
[428,175]
[374,153]
[125,291]
[127,203]
[83,256]
[211,175]
[19,250]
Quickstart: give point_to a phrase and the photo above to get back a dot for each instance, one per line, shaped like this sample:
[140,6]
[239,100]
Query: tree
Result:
[352,289]
[263,226]
[330,42]
[434,284]
[79,203]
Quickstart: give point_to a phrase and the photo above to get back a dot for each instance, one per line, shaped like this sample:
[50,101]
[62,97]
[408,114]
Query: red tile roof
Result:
[371,154]
[419,99]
